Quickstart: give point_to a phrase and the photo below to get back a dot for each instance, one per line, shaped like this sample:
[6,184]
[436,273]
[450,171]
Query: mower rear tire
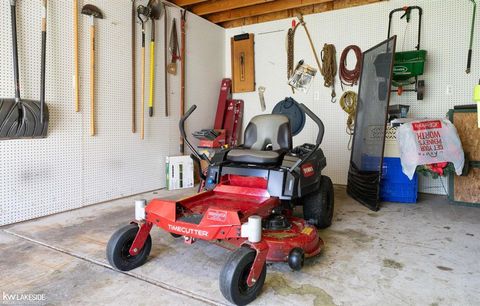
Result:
[119,245]
[318,206]
[233,278]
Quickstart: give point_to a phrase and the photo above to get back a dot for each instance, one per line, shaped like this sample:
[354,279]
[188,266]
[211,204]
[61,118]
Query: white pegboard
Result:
[69,168]
[445,35]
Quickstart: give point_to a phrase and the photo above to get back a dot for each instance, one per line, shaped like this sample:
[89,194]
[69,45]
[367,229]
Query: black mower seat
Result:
[253,156]
[266,139]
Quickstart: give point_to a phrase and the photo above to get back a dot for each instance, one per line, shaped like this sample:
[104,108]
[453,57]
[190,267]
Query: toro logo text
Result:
[308,170]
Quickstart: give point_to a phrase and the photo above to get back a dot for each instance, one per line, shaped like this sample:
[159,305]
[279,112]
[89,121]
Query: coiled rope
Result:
[329,67]
[350,77]
[348,102]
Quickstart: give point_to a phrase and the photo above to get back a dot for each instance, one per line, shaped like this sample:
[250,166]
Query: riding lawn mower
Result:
[246,205]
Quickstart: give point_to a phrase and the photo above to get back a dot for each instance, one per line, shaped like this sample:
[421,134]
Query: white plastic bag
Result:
[429,141]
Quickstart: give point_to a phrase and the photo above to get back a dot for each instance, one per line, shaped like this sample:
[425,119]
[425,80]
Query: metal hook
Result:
[333,99]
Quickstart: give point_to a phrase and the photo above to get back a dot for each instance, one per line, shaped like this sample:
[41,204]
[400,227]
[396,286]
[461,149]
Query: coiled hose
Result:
[329,67]
[348,102]
[350,77]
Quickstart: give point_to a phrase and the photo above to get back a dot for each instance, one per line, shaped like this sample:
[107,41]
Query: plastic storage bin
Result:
[395,186]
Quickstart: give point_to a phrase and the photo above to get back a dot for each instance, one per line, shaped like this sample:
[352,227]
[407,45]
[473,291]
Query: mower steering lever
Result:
[184,135]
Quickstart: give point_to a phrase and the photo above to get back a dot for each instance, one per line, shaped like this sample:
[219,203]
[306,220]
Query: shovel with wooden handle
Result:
[93,12]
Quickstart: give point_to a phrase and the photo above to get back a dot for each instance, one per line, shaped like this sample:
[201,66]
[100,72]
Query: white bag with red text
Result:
[429,141]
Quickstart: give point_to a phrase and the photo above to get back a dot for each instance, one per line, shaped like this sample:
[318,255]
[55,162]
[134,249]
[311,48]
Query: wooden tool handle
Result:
[92,80]
[75,54]
[152,76]
[142,110]
[134,85]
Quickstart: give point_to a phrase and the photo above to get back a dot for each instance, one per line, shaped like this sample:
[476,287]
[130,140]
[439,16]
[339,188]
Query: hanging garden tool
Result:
[409,65]
[75,55]
[43,59]
[165,57]
[173,49]
[142,15]
[154,11]
[93,12]
[134,64]
[472,32]
[182,72]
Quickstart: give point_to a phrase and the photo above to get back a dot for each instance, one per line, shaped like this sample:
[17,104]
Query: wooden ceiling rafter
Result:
[210,7]
[261,9]
[235,13]
[289,13]
[184,3]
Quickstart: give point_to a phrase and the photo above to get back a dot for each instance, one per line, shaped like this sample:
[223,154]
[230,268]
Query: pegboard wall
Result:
[445,35]
[70,169]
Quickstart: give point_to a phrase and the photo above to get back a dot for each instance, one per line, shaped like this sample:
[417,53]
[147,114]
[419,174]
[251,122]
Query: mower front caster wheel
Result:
[118,247]
[296,259]
[233,278]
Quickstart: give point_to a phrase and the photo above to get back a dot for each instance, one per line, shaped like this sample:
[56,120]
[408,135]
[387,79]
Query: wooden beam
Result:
[341,4]
[215,6]
[305,10]
[291,13]
[261,9]
[187,2]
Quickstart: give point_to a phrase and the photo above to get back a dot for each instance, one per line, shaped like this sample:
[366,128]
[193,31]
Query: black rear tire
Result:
[233,278]
[119,245]
[318,206]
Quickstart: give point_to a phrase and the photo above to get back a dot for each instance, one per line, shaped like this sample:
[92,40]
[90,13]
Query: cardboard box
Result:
[179,171]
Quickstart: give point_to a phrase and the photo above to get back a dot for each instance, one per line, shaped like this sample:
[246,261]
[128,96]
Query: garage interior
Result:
[334,144]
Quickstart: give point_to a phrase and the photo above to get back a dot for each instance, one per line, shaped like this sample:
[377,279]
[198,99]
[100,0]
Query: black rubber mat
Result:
[193,219]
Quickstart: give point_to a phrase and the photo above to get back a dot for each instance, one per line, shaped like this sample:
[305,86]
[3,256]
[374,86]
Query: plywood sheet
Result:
[466,188]
[469,133]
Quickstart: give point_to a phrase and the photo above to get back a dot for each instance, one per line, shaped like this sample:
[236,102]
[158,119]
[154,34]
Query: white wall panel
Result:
[70,169]
[445,35]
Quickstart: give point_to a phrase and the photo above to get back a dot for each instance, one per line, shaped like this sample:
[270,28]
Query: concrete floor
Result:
[423,254]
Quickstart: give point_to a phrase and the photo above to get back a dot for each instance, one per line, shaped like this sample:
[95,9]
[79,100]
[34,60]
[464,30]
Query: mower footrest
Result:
[193,219]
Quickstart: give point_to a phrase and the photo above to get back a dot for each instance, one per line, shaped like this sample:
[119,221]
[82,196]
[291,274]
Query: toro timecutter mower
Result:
[246,206]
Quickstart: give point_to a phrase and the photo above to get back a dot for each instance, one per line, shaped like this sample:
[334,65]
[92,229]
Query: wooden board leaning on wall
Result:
[463,190]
